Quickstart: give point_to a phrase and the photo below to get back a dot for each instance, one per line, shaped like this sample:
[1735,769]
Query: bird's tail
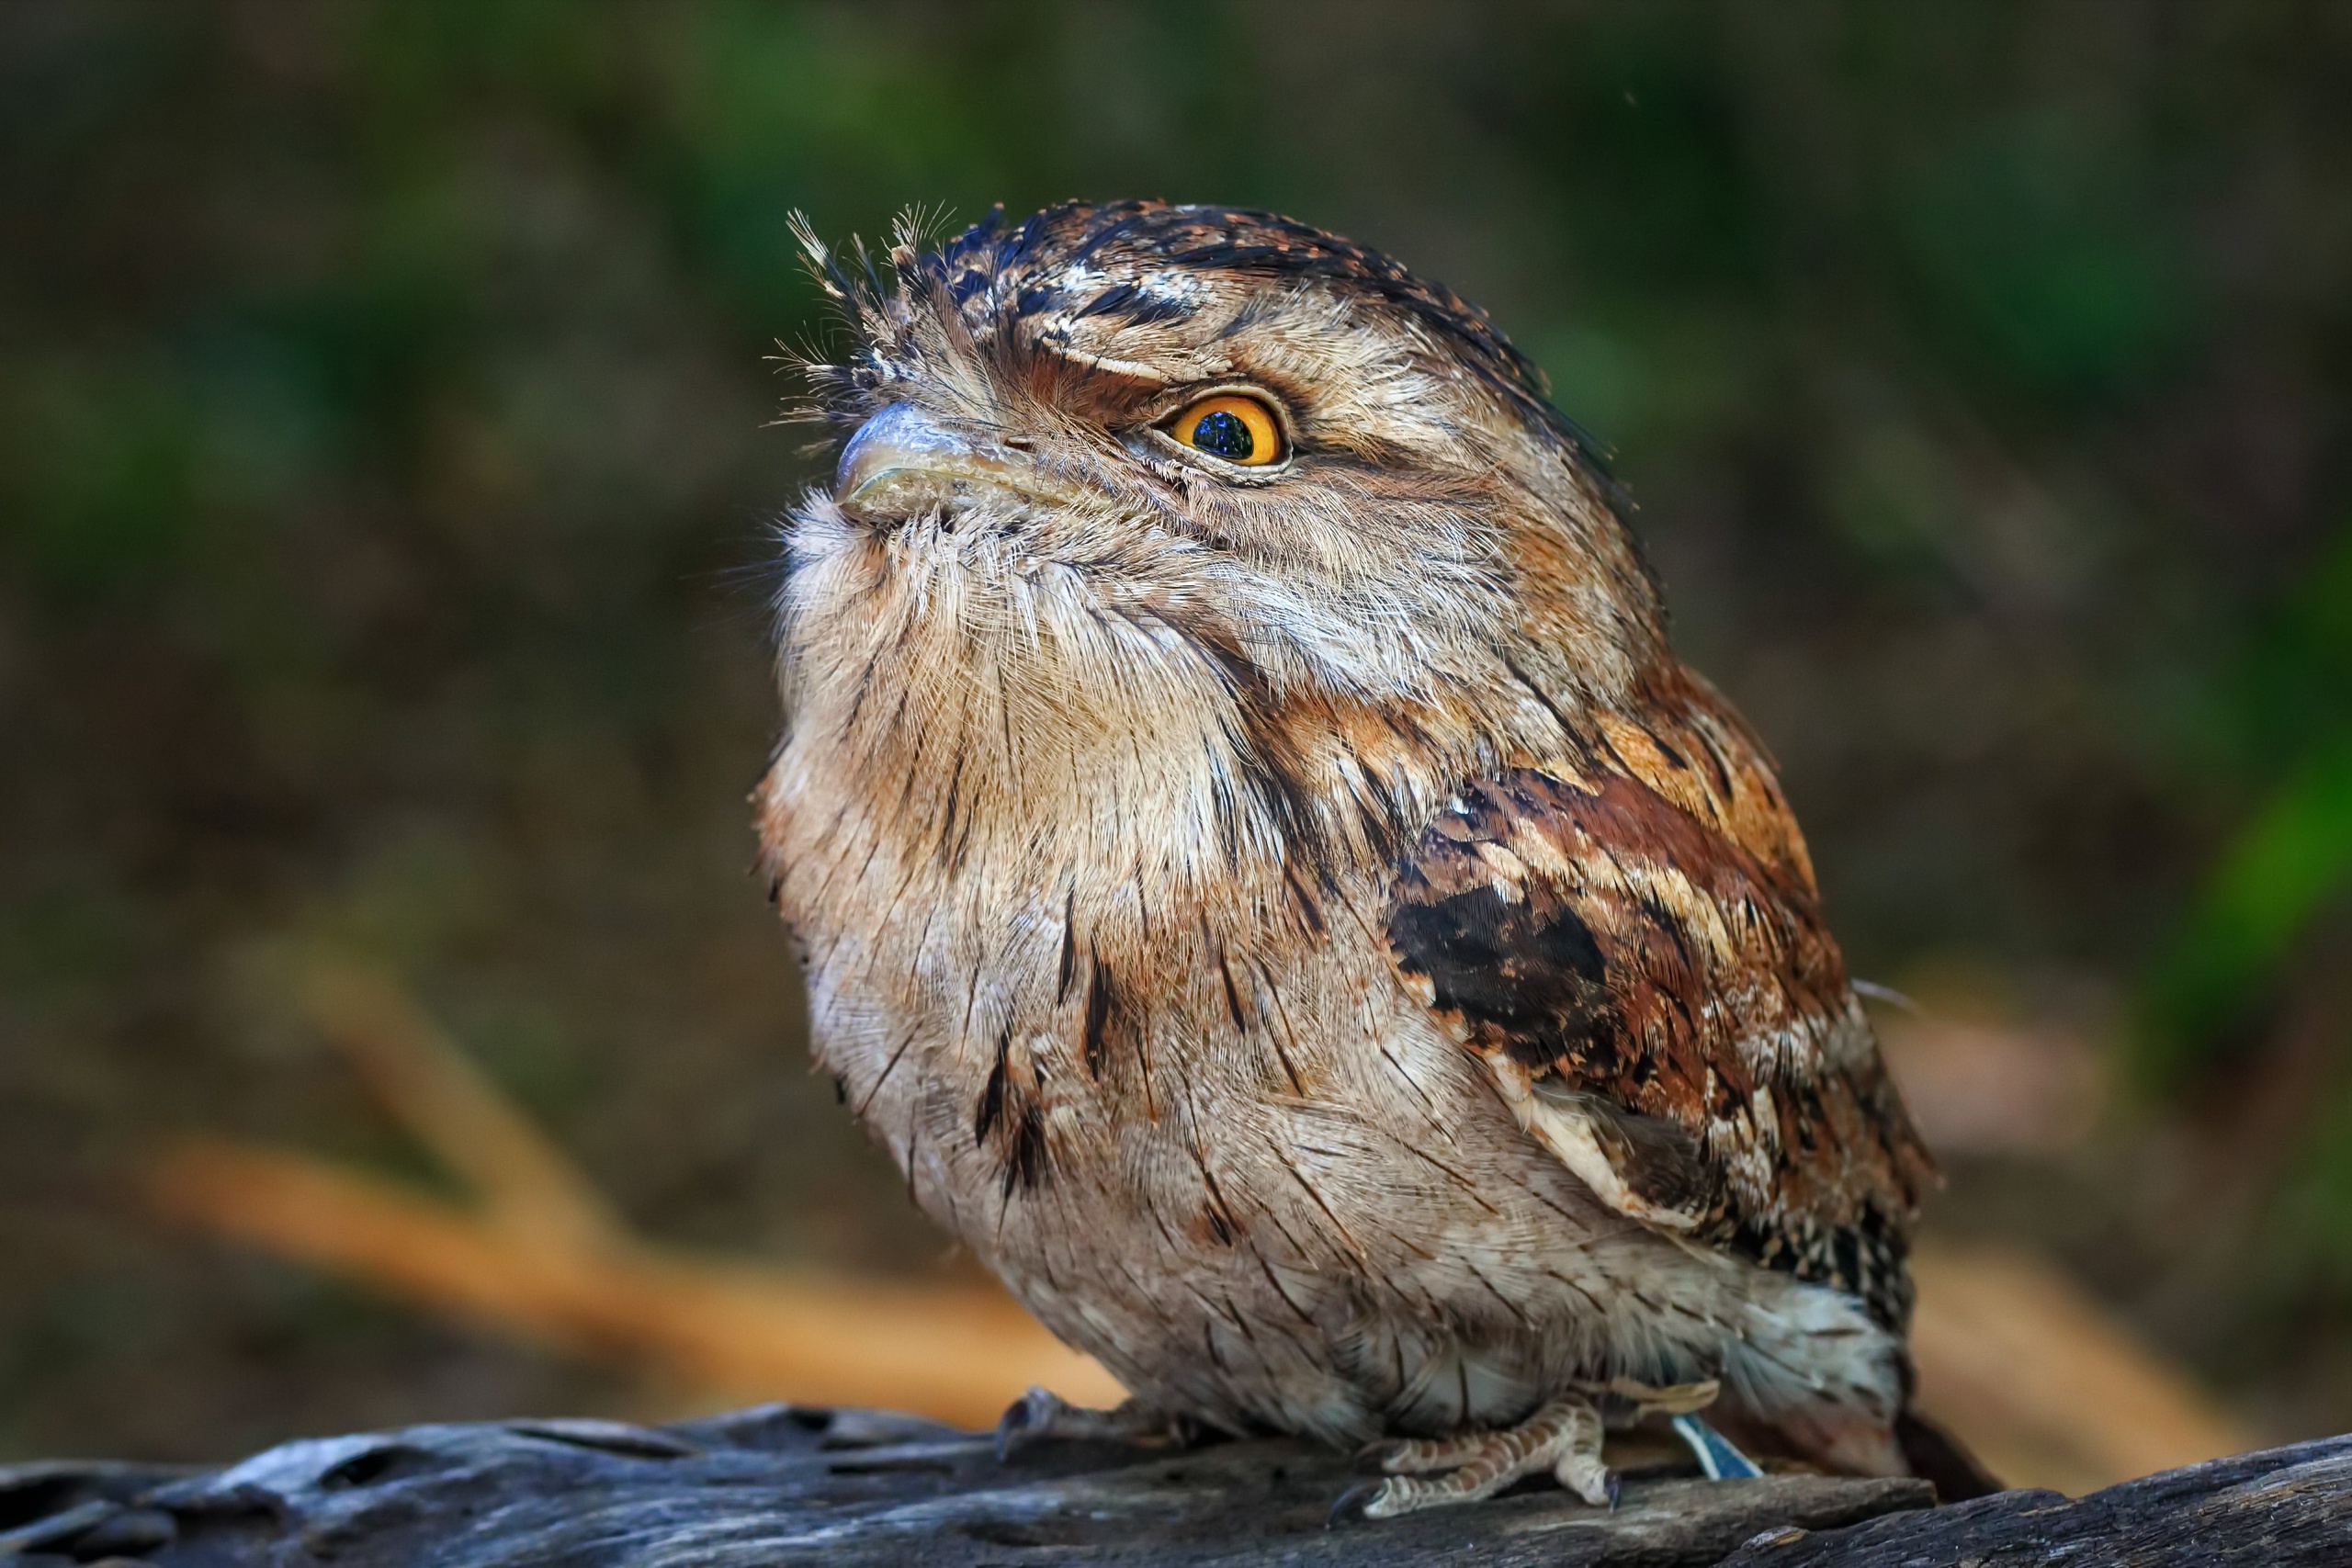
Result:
[1936,1456]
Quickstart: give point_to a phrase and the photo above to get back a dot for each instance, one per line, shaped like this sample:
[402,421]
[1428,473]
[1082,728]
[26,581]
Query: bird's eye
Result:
[1232,425]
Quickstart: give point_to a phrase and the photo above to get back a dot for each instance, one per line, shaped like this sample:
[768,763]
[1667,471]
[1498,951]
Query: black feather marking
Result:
[1718,771]
[1025,1166]
[1382,820]
[1220,1213]
[991,1104]
[888,1069]
[1003,1103]
[1542,980]
[1538,693]
[1098,1017]
[1070,948]
[1130,303]
[1308,909]
[1225,973]
[1274,1036]
[947,815]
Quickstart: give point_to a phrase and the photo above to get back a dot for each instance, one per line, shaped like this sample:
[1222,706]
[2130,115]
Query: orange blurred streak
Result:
[432,1088]
[956,1353]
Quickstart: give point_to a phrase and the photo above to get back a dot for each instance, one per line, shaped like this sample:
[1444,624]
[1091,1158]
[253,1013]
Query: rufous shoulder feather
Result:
[1629,935]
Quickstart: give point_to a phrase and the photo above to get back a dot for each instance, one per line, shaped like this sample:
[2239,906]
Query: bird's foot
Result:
[1563,1437]
[1042,1413]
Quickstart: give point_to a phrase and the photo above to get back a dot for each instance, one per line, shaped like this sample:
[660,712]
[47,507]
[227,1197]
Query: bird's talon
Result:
[1025,1420]
[1353,1507]
[1615,1484]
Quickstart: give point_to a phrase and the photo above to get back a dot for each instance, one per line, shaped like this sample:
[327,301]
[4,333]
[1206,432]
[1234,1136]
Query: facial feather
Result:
[1432,530]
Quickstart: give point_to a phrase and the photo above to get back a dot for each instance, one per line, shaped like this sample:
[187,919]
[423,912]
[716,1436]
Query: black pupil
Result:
[1224,434]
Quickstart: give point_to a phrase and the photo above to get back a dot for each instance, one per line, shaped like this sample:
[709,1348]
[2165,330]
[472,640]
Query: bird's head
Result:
[1112,476]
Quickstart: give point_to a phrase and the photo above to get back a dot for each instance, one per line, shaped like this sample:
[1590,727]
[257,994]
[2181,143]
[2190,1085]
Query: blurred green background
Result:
[385,498]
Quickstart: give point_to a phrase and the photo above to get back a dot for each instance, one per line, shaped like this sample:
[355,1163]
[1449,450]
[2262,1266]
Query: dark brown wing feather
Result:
[1630,936]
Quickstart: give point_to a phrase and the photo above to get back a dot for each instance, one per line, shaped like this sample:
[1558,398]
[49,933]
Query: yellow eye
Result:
[1233,427]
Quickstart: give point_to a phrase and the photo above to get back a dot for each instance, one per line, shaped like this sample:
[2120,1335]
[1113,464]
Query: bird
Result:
[1265,878]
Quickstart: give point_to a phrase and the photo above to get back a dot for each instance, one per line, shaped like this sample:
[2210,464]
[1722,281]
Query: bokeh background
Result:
[385,494]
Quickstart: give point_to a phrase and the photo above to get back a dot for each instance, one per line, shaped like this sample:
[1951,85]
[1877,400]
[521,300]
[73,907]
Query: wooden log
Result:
[783,1484]
[2279,1508]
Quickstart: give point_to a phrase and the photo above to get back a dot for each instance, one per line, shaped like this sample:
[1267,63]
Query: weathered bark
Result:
[781,1485]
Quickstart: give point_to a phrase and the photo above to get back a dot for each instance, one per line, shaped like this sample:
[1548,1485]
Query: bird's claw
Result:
[1027,1418]
[1041,1414]
[1353,1505]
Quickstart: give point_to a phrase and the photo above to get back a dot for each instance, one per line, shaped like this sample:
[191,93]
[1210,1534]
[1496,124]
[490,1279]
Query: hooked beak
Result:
[902,461]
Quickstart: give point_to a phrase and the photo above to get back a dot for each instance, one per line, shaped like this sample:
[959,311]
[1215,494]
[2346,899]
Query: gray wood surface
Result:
[781,1485]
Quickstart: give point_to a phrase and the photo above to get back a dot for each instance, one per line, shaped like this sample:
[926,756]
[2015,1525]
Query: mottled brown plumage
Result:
[1630,935]
[1289,912]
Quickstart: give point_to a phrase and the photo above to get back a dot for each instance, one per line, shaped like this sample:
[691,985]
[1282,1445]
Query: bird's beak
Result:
[903,461]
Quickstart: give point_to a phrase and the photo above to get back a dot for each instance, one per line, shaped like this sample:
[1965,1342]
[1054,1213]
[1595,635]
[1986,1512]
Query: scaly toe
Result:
[1409,1494]
[1471,1483]
[1563,1437]
[1421,1456]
